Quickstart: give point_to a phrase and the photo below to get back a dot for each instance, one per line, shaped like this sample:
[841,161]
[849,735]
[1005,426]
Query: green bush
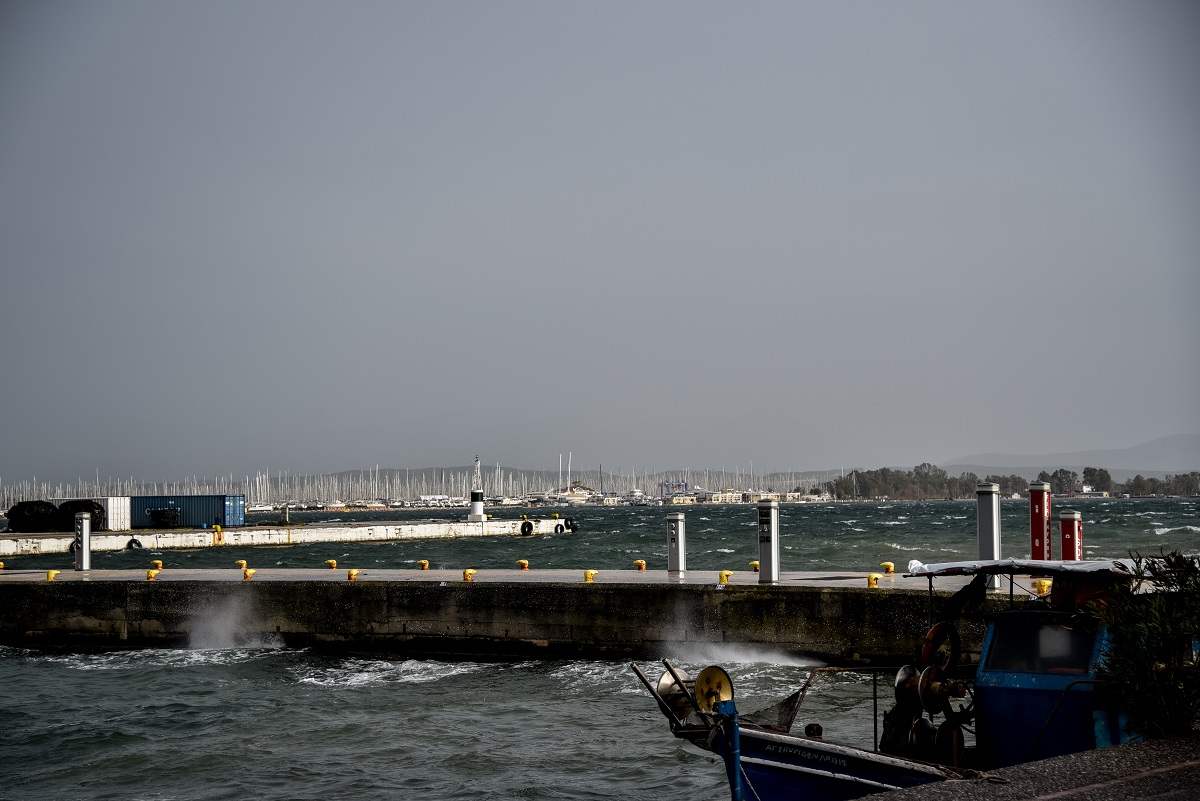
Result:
[1150,665]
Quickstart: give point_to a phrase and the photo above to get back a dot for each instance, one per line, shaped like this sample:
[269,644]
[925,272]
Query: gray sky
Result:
[324,236]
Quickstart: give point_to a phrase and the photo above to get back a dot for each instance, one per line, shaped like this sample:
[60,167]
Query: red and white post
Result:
[1039,521]
[1071,525]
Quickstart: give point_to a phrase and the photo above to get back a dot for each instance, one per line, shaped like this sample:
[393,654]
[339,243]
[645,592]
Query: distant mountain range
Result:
[1179,453]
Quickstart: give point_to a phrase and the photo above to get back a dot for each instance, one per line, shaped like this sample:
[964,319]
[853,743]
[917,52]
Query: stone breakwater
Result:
[516,614]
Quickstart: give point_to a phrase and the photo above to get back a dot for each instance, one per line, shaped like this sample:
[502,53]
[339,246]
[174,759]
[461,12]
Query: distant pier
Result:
[17,544]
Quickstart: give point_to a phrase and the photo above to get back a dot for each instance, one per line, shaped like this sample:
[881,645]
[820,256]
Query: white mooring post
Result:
[987,523]
[83,540]
[676,546]
[768,542]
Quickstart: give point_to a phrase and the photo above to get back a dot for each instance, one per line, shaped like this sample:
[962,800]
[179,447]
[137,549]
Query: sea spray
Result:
[228,624]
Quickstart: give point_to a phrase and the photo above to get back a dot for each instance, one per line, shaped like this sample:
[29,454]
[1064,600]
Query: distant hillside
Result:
[1179,453]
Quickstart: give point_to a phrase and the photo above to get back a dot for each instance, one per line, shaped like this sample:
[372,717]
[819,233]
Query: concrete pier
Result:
[12,544]
[522,614]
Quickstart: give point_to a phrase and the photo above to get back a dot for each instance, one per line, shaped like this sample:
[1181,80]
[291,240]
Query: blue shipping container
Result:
[187,511]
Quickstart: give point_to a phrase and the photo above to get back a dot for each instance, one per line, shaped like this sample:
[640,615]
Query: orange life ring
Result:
[942,634]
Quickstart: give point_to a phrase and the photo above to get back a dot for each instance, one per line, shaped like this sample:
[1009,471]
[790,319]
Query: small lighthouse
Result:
[476,514]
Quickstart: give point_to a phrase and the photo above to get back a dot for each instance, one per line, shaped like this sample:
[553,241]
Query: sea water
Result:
[260,721]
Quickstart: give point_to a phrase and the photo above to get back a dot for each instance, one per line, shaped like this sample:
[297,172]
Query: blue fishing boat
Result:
[1034,694]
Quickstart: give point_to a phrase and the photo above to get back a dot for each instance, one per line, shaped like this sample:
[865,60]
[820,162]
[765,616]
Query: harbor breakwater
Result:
[503,614]
[14,544]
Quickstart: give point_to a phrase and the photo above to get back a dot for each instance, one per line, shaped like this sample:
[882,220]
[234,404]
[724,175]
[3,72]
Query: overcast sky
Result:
[325,236]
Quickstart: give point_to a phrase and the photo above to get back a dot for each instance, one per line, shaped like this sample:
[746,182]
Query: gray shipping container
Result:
[190,511]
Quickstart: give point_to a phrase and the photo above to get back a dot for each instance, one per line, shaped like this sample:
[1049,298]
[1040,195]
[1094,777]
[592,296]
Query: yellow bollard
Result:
[156,564]
[523,564]
[723,576]
[640,564]
[352,575]
[873,579]
[754,565]
[332,563]
[1,565]
[241,563]
[469,574]
[589,576]
[423,564]
[554,516]
[152,575]
[888,568]
[50,574]
[248,573]
[1042,586]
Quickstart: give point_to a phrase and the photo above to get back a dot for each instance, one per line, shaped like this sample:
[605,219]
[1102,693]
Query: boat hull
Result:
[781,767]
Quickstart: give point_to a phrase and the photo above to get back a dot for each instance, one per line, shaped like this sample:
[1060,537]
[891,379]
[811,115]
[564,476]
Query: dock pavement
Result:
[741,578]
[1162,770]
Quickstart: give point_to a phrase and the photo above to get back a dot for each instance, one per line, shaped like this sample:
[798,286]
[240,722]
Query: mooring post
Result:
[83,540]
[1070,525]
[676,546]
[987,522]
[768,542]
[1039,521]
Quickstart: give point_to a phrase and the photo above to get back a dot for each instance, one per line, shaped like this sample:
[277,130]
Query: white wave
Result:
[1163,530]
[901,547]
[895,523]
[162,657]
[592,678]
[367,672]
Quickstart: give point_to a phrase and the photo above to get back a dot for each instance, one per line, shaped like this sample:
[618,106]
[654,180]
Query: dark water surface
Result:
[271,723]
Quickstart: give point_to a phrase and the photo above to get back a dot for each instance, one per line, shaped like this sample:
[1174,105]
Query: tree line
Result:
[929,482]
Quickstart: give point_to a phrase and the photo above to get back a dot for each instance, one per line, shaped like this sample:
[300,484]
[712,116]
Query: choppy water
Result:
[272,723]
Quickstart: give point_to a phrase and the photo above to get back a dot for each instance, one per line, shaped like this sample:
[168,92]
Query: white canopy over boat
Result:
[1018,567]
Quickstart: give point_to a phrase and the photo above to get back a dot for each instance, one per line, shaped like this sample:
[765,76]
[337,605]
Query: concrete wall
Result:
[477,620]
